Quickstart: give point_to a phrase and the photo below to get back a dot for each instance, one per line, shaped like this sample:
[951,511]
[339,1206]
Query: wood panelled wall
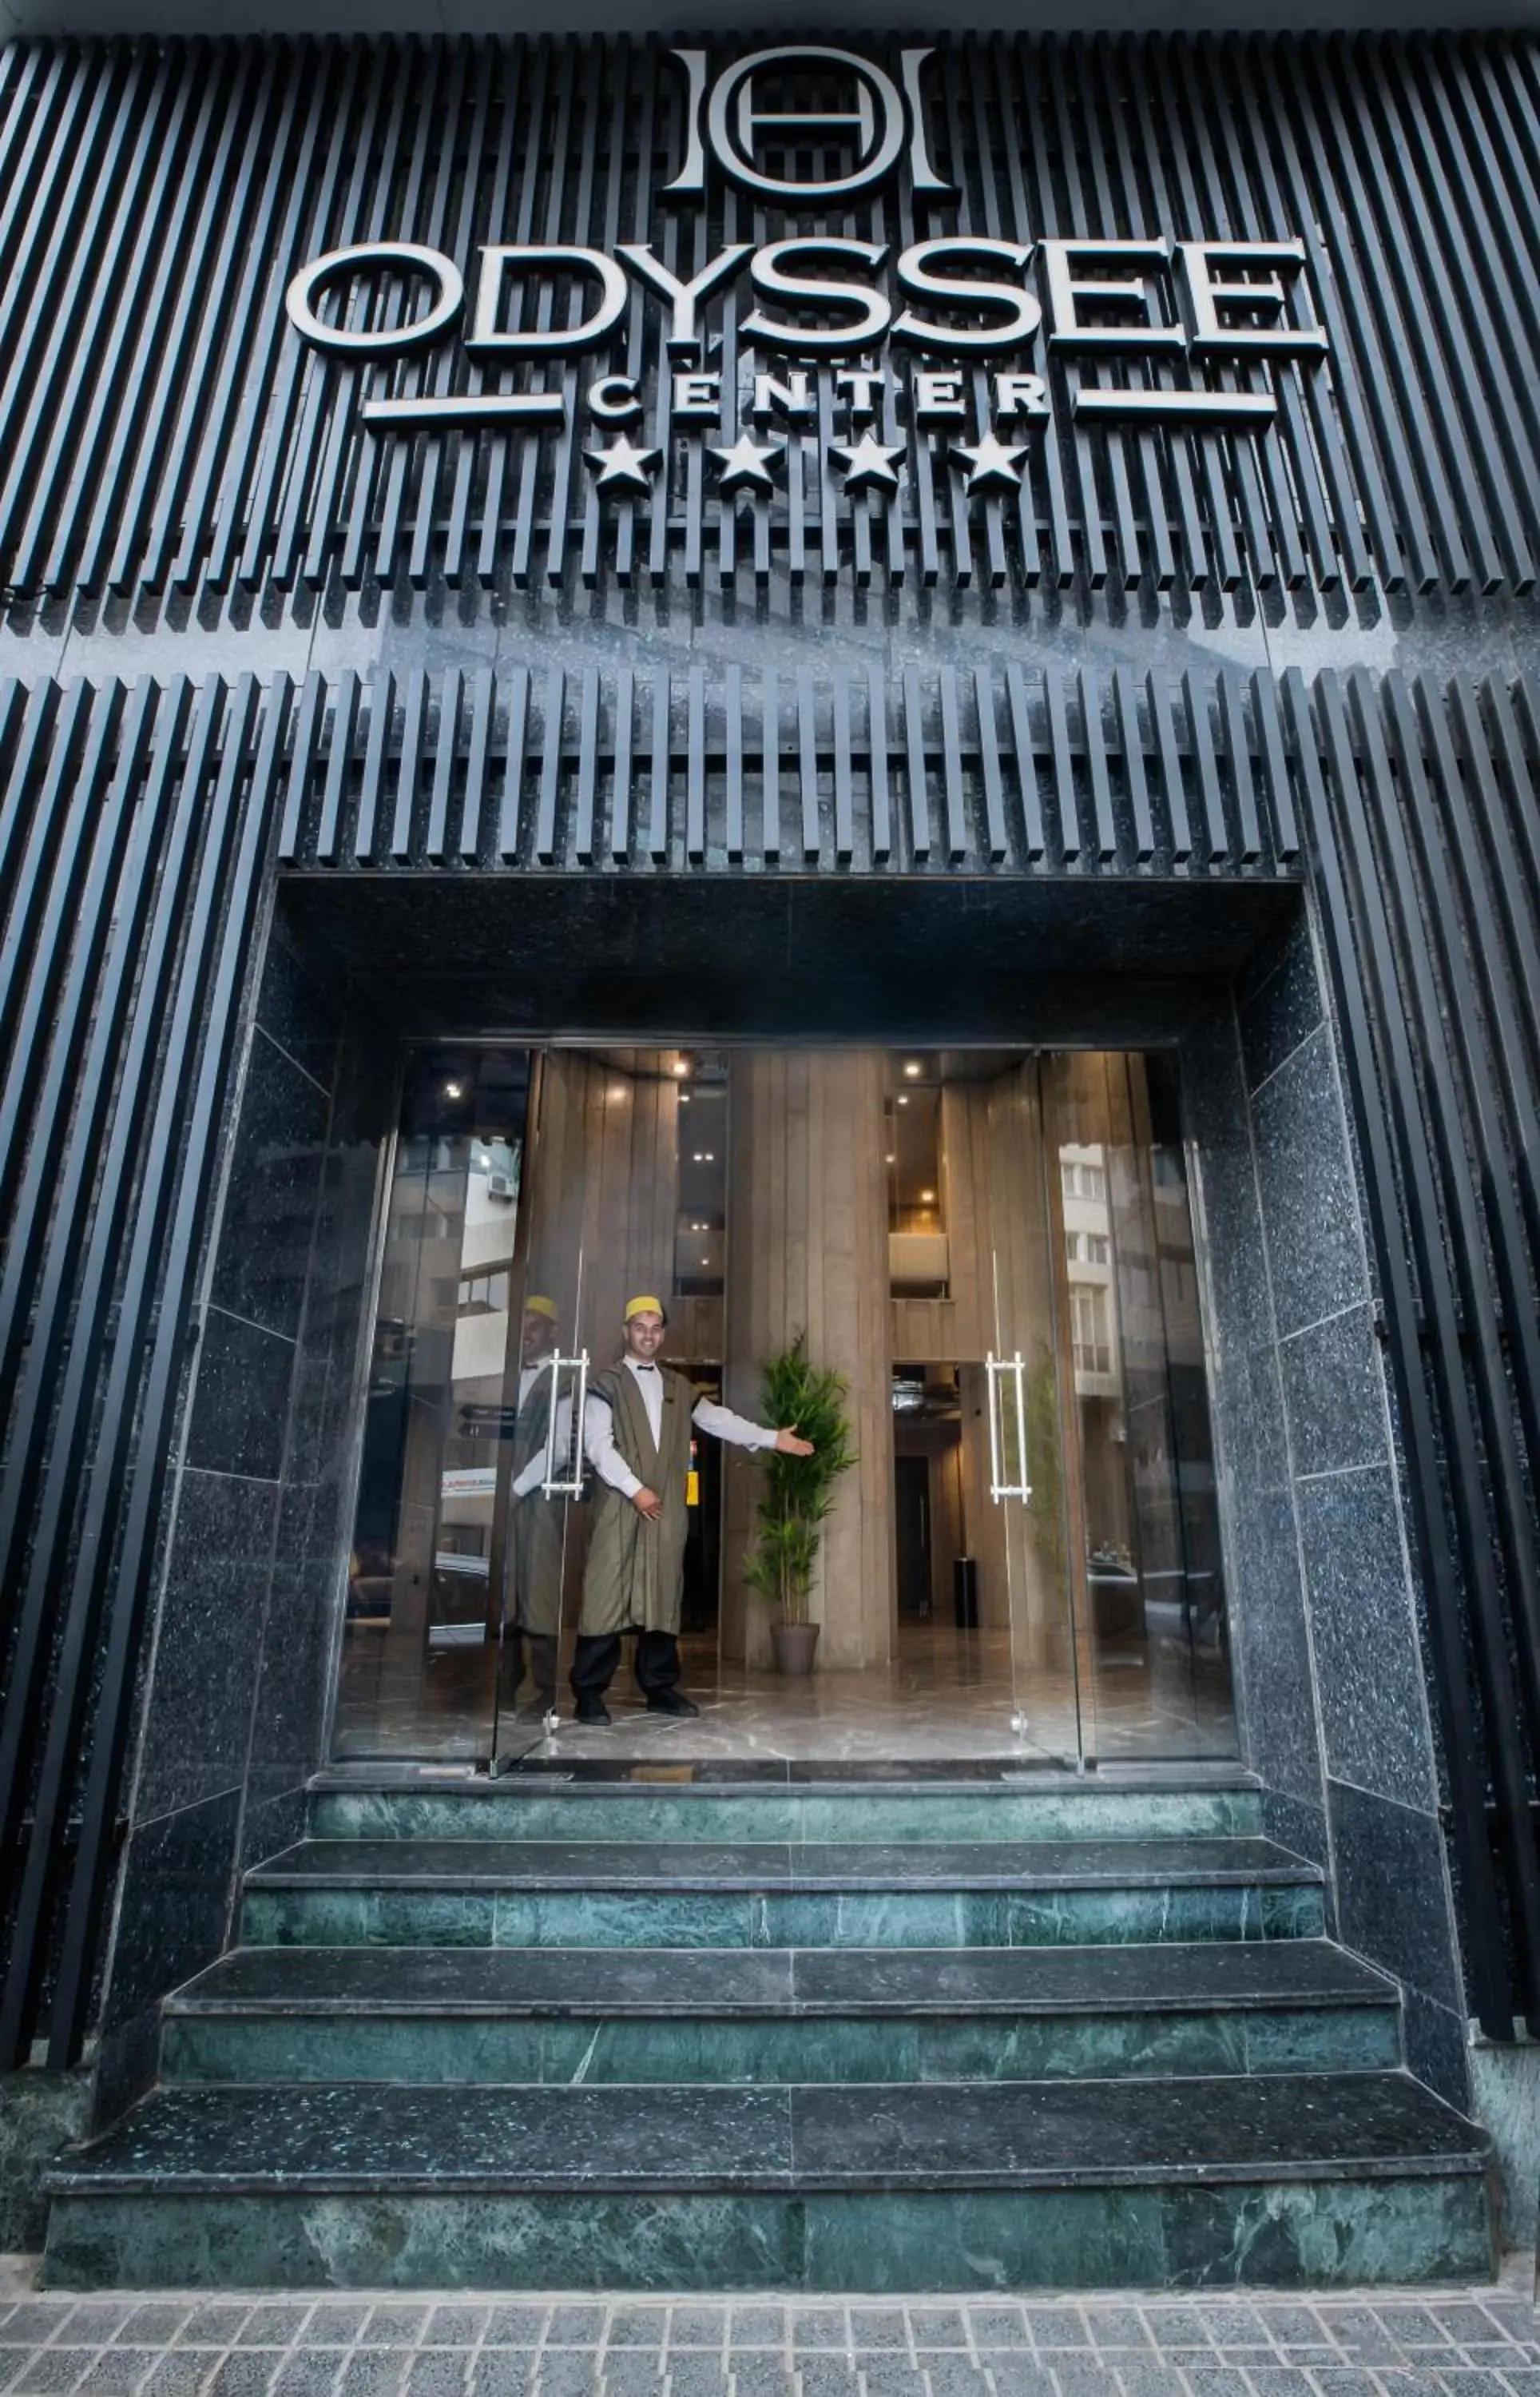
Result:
[606,1178]
[807,1250]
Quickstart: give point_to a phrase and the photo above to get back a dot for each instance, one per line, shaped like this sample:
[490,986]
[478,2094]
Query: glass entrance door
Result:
[1151,1595]
[1032,1520]
[531,1193]
[541,1520]
[423,1602]
[1102,1480]
[1012,1304]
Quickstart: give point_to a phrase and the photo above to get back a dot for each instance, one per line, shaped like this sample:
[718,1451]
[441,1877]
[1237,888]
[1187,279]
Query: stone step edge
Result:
[1374,1991]
[1289,1872]
[306,2184]
[518,1787]
[724,1775]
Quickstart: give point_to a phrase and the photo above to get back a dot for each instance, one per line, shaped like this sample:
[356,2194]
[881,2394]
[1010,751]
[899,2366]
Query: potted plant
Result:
[798,1496]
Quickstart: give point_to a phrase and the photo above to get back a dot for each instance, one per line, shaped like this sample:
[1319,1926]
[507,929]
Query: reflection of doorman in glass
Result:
[636,1431]
[531,1618]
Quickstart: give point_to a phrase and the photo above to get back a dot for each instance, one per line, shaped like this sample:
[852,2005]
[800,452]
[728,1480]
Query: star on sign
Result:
[746,467]
[622,467]
[993,465]
[870,461]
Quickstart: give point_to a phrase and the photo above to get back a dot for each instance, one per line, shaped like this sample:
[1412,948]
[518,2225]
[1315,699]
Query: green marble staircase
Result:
[870,2035]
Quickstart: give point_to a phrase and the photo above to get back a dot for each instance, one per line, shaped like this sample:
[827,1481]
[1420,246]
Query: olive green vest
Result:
[635,1578]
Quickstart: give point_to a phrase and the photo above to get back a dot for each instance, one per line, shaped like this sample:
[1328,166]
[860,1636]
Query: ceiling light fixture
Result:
[913,1069]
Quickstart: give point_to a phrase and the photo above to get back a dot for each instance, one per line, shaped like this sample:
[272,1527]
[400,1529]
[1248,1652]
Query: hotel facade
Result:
[882,687]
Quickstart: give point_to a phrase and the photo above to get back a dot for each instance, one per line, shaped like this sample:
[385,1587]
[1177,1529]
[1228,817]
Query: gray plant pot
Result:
[794,1643]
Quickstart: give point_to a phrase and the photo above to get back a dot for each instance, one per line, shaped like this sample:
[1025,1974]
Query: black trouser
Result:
[595,1659]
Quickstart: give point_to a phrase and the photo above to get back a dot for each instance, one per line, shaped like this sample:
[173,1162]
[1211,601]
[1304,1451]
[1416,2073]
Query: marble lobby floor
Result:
[946,1696]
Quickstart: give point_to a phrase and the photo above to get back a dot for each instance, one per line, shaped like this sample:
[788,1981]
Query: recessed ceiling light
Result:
[454,1089]
[913,1069]
[892,1159]
[902,1098]
[681,1067]
[927,1198]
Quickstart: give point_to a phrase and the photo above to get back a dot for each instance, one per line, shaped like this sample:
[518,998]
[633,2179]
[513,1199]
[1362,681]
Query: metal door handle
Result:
[568,1483]
[1007,1373]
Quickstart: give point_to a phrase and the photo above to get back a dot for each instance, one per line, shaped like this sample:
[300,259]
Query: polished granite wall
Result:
[1330,1678]
[236,1673]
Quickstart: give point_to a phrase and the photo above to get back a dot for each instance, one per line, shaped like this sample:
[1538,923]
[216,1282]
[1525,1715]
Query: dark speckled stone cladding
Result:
[1331,1677]
[233,1716]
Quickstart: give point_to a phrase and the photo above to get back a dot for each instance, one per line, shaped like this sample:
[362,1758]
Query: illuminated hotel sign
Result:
[947,328]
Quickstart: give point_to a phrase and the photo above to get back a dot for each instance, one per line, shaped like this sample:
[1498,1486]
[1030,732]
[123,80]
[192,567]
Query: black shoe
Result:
[672,1702]
[591,1710]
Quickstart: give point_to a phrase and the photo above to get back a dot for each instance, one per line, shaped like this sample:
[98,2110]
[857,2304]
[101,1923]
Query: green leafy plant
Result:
[799,1490]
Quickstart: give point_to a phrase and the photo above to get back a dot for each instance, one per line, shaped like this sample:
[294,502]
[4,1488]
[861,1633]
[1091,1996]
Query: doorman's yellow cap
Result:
[643,1307]
[541,1306]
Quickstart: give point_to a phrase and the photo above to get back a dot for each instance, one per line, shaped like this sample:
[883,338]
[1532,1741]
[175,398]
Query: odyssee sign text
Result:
[965,298]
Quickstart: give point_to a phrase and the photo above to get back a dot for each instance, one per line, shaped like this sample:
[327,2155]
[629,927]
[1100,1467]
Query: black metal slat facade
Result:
[161,429]
[140,829]
[164,438]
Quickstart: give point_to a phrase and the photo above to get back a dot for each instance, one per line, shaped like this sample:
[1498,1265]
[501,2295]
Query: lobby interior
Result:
[1022,1567]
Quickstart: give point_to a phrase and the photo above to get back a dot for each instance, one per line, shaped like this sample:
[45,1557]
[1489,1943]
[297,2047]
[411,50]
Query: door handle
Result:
[1006,1379]
[568,1481]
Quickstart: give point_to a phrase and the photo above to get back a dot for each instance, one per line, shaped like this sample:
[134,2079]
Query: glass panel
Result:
[540,1553]
[627,1182]
[423,1603]
[1032,1497]
[1153,1596]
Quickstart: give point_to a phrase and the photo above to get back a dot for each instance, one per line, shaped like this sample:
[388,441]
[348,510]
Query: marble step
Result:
[1294,2181]
[970,1894]
[768,2014]
[536,1807]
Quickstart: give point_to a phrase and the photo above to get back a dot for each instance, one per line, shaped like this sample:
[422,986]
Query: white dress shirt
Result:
[599,1428]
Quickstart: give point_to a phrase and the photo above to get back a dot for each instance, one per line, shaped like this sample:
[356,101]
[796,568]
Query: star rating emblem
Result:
[623,468]
[870,463]
[746,467]
[993,464]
